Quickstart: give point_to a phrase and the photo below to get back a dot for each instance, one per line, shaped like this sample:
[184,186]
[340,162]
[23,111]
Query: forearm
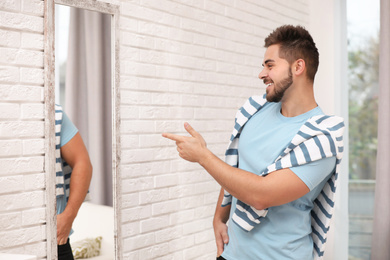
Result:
[221,213]
[79,185]
[243,185]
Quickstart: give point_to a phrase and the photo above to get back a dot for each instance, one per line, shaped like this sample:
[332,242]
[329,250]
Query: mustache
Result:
[267,81]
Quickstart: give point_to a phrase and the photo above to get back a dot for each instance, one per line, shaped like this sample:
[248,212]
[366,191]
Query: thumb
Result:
[225,238]
[190,130]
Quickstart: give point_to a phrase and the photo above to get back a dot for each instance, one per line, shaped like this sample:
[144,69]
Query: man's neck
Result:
[298,101]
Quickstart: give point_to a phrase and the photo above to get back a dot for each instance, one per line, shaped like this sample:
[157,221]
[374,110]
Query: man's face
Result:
[276,75]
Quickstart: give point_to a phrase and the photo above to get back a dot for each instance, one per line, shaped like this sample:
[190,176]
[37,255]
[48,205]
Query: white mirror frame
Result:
[49,92]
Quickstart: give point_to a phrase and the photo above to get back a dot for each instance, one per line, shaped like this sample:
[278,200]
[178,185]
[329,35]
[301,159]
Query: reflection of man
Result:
[285,153]
[73,176]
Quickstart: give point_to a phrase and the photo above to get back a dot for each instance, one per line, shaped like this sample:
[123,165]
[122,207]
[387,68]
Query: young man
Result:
[282,162]
[73,176]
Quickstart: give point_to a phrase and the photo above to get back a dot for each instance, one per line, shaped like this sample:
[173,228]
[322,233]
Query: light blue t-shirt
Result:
[68,131]
[285,232]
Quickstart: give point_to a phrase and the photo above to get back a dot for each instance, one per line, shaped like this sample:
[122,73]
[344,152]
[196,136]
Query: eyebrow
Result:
[267,61]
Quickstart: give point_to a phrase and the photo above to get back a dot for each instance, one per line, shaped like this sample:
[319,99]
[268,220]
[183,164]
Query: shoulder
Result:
[252,105]
[332,123]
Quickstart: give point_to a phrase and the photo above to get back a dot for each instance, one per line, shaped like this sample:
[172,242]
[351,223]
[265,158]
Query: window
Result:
[363,75]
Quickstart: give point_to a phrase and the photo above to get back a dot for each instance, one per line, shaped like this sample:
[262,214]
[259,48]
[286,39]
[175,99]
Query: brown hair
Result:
[295,43]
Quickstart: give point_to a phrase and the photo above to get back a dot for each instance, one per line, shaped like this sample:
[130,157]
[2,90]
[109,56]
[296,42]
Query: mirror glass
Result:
[83,67]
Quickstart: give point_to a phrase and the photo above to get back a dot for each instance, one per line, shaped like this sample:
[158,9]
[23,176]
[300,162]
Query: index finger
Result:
[173,137]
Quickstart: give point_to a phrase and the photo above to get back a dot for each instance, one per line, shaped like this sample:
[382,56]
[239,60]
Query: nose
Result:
[262,74]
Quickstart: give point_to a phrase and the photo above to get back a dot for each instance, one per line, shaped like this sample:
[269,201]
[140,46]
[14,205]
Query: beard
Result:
[280,88]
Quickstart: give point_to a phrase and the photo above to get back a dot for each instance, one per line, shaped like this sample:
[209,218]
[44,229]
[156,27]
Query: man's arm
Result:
[275,189]
[221,216]
[76,155]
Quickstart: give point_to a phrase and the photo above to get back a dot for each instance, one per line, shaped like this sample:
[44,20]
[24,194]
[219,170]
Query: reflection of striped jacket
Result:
[63,170]
[320,137]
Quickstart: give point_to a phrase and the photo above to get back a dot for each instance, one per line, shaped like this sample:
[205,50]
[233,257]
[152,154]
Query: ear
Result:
[299,67]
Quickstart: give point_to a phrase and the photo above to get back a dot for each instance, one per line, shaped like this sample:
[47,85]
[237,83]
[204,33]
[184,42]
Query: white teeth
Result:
[269,84]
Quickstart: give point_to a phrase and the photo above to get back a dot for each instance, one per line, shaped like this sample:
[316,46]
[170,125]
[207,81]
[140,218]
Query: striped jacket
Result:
[320,137]
[63,170]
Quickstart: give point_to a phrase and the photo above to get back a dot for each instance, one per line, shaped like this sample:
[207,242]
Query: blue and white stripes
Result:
[63,170]
[320,137]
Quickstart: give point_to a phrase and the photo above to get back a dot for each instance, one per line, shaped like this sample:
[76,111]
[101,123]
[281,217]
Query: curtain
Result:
[88,94]
[380,248]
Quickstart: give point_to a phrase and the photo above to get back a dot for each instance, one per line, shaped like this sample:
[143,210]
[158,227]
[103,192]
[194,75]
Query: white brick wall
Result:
[192,61]
[22,182]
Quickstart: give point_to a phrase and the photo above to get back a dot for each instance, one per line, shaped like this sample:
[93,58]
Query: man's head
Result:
[295,43]
[290,52]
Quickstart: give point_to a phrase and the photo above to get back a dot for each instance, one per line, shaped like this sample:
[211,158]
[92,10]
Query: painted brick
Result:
[164,207]
[37,249]
[128,24]
[190,202]
[21,236]
[10,220]
[21,129]
[172,255]
[23,200]
[21,165]
[9,38]
[138,155]
[20,93]
[154,223]
[206,211]
[33,146]
[130,229]
[31,75]
[139,98]
[9,74]
[136,213]
[169,72]
[141,241]
[152,196]
[181,217]
[197,226]
[204,236]
[154,251]
[9,111]
[33,216]
[34,181]
[132,255]
[32,41]
[20,21]
[33,111]
[135,170]
[137,184]
[181,243]
[165,180]
[160,167]
[11,184]
[130,200]
[197,251]
[10,147]
[11,5]
[169,233]
[22,57]
[35,7]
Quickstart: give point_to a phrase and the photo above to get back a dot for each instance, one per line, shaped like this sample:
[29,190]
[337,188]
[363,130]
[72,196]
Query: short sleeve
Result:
[314,173]
[68,130]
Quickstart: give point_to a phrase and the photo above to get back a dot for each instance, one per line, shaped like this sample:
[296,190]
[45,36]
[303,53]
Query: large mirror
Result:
[82,46]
